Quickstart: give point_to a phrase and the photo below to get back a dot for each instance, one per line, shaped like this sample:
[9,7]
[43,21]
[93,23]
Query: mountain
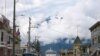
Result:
[57,46]
[61,43]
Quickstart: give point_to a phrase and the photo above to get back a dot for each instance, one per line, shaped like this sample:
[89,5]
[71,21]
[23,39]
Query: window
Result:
[63,54]
[92,40]
[98,39]
[75,52]
[9,40]
[84,50]
[2,36]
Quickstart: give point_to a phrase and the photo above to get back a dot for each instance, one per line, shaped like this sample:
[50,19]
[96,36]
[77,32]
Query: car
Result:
[28,54]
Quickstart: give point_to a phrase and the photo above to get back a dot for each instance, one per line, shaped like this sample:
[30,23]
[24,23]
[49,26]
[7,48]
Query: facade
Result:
[63,52]
[66,52]
[80,49]
[50,52]
[6,37]
[95,36]
[77,47]
[70,53]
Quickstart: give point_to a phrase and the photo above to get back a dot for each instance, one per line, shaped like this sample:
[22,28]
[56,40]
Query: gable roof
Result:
[77,40]
[95,25]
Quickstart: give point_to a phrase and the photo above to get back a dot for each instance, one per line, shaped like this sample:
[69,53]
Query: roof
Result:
[77,40]
[4,20]
[95,25]
[1,18]
[4,23]
[50,51]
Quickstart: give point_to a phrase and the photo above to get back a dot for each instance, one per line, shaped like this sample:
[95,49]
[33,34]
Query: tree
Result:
[36,46]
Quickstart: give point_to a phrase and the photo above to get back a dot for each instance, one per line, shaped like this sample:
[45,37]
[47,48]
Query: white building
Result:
[5,37]
[95,35]
[50,52]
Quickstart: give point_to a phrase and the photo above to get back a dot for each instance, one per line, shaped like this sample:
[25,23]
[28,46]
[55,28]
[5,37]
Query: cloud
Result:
[81,13]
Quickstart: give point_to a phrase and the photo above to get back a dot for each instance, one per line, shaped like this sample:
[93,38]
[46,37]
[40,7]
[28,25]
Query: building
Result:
[77,47]
[66,52]
[24,49]
[95,36]
[85,49]
[80,49]
[63,52]
[5,37]
[50,52]
[70,52]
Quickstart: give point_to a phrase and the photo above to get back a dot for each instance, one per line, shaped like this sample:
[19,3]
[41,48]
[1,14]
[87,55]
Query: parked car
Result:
[28,54]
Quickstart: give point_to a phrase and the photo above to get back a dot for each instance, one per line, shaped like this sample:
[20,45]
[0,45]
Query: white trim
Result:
[9,46]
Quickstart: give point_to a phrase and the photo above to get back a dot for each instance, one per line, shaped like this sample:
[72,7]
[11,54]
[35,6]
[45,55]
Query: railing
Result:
[2,44]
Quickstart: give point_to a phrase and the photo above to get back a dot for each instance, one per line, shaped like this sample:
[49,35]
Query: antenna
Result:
[77,30]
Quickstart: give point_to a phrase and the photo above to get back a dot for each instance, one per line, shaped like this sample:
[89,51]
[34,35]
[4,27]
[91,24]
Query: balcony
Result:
[2,44]
[9,46]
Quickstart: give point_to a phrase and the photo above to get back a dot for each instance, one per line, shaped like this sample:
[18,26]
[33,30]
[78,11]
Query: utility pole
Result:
[29,35]
[14,14]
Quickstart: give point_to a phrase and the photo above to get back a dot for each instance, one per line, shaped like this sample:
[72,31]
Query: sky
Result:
[53,19]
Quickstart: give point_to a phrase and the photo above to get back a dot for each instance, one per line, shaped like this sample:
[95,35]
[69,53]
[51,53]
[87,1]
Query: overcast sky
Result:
[54,18]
